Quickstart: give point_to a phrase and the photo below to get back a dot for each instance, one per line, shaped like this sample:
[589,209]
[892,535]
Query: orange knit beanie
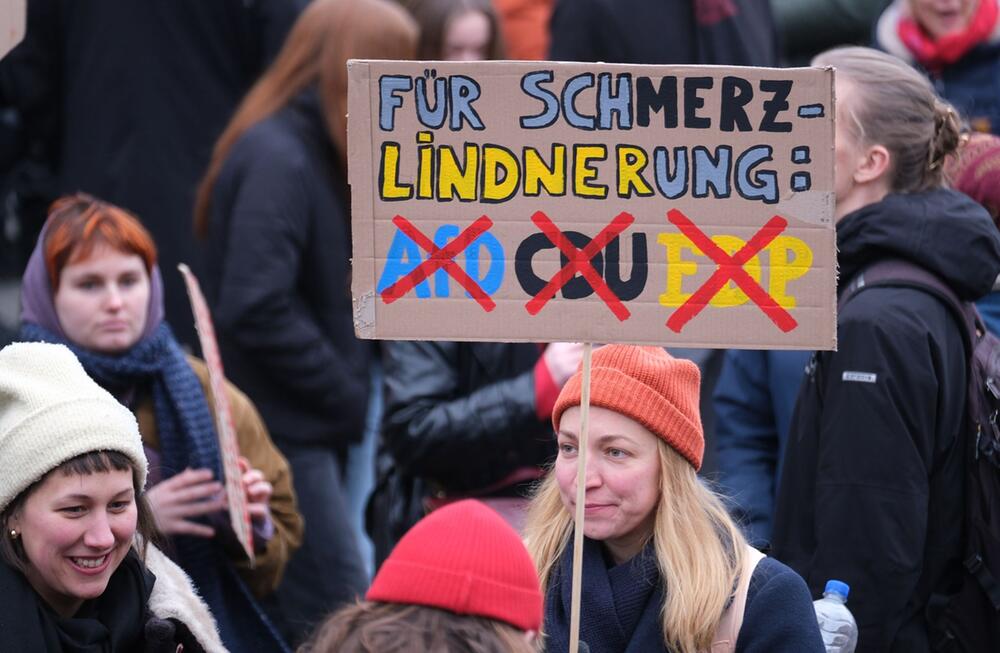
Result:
[648,385]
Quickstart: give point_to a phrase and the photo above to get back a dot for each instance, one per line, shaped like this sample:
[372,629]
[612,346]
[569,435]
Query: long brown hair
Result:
[433,17]
[326,35]
[367,627]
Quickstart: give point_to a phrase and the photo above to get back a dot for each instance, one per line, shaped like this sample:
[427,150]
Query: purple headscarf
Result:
[38,303]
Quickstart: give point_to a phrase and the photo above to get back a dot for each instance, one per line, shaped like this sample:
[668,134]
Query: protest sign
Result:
[527,201]
[239,515]
[13,17]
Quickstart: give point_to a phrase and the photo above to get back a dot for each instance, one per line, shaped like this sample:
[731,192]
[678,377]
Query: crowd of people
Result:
[420,496]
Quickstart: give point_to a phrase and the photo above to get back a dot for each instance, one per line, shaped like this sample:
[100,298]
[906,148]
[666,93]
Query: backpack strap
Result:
[900,272]
[903,273]
[728,630]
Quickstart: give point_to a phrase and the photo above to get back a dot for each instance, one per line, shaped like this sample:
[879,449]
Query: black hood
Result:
[942,230]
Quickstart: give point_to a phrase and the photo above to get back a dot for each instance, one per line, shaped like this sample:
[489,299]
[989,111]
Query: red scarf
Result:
[937,54]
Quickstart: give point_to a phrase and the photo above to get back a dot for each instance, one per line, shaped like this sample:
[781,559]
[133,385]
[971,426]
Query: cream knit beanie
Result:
[51,411]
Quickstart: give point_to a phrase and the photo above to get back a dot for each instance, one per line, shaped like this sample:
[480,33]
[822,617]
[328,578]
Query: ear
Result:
[873,165]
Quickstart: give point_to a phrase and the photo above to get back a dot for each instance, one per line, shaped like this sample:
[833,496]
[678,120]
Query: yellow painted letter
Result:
[537,174]
[496,189]
[784,270]
[677,267]
[391,189]
[583,171]
[452,177]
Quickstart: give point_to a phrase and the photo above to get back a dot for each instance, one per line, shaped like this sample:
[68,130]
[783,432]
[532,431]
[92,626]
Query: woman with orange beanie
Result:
[459,581]
[664,566]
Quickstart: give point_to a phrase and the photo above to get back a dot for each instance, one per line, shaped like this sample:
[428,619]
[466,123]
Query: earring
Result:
[13,534]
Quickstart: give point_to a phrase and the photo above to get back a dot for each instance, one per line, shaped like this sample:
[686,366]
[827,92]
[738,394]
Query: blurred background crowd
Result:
[212,132]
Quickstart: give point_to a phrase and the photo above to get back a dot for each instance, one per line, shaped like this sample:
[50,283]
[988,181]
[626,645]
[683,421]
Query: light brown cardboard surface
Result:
[804,316]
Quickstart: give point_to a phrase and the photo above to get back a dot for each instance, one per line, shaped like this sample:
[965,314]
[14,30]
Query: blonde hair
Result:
[899,110]
[325,36]
[699,549]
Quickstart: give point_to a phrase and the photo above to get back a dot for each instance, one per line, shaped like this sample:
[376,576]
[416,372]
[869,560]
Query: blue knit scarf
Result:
[620,605]
[187,440]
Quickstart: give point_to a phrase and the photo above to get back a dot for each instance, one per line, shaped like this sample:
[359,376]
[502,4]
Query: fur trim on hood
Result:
[174,597]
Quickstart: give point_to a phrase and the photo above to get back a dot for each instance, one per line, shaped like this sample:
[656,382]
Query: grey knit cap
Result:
[51,411]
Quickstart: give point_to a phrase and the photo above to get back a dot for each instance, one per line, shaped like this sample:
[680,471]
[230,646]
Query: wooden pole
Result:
[581,500]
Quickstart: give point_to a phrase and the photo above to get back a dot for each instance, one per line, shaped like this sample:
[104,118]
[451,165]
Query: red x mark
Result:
[441,257]
[730,267]
[579,261]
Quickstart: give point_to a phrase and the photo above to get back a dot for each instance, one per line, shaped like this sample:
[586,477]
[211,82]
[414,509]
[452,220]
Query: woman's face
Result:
[943,17]
[102,302]
[623,478]
[76,529]
[467,37]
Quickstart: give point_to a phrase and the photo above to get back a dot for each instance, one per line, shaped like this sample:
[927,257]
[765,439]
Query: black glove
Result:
[170,636]
[160,636]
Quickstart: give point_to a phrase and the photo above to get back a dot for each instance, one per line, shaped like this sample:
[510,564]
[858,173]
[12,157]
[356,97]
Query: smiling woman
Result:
[663,564]
[74,569]
[93,284]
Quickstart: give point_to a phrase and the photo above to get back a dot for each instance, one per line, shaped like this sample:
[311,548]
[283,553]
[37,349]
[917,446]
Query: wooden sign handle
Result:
[581,500]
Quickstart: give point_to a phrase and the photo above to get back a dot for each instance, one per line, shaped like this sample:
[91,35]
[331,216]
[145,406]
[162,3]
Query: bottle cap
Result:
[837,587]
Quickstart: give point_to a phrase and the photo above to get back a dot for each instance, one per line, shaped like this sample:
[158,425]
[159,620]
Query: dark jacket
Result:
[147,608]
[732,32]
[753,403]
[459,419]
[972,83]
[620,607]
[807,27]
[989,309]
[872,491]
[278,280]
[127,99]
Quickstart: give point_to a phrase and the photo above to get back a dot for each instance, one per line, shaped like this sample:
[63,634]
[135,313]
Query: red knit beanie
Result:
[464,558]
[648,385]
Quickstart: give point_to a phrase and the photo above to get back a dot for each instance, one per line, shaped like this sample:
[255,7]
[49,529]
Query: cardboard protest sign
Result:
[239,515]
[13,21]
[680,205]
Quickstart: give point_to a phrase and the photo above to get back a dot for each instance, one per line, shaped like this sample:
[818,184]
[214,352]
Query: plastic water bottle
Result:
[836,623]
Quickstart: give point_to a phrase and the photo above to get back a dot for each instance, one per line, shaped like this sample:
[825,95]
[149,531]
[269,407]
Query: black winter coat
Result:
[278,280]
[128,99]
[459,417]
[733,32]
[872,491]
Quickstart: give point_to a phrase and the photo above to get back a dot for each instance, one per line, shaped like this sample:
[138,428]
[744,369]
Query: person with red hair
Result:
[92,284]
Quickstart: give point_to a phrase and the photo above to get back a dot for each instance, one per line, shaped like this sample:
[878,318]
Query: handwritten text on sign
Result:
[512,201]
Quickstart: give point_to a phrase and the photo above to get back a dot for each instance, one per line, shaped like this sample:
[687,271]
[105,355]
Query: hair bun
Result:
[947,134]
